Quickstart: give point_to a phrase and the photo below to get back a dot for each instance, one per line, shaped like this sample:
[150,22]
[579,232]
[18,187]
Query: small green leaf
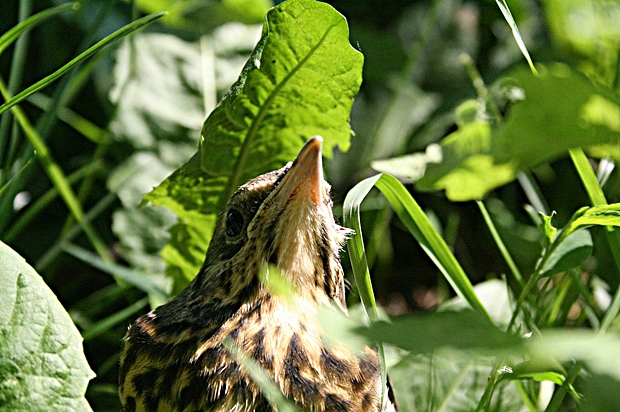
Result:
[42,363]
[606,215]
[569,253]
[466,170]
[561,110]
[547,228]
[538,371]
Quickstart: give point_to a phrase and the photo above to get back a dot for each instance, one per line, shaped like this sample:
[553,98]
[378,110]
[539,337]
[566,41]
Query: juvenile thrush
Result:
[173,358]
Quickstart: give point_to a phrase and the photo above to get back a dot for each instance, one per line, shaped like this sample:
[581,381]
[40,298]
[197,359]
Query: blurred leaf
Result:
[560,110]
[412,167]
[588,30]
[496,297]
[341,328]
[158,92]
[263,121]
[203,16]
[42,363]
[538,371]
[601,393]
[427,332]
[267,386]
[160,87]
[142,234]
[600,352]
[569,253]
[449,381]
[466,169]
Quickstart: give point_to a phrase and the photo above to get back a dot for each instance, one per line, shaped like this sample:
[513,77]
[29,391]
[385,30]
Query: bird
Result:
[174,358]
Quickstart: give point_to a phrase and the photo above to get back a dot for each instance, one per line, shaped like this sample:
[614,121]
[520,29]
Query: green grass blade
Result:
[355,245]
[5,187]
[111,321]
[132,277]
[42,201]
[57,176]
[500,244]
[597,197]
[515,32]
[117,35]
[10,36]
[420,227]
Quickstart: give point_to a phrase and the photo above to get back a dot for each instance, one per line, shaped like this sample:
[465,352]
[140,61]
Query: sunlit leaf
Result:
[274,107]
[561,110]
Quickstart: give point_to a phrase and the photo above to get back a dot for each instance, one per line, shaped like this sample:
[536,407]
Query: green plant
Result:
[512,153]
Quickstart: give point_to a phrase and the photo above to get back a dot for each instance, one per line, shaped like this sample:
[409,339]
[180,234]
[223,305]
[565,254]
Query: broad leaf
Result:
[561,110]
[42,363]
[427,332]
[557,110]
[466,169]
[299,81]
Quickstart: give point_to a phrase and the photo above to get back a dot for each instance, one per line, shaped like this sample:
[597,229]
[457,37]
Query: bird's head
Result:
[283,218]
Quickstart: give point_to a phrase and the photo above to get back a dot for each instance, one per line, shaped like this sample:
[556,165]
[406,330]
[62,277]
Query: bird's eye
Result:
[234,223]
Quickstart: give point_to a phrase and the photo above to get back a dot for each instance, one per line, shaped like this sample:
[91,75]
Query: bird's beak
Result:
[305,177]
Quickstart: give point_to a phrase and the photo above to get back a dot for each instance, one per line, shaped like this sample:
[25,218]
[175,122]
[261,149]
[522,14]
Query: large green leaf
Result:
[42,363]
[555,111]
[561,110]
[299,81]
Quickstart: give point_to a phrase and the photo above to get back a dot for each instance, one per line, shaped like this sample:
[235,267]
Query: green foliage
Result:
[42,364]
[554,110]
[263,121]
[543,285]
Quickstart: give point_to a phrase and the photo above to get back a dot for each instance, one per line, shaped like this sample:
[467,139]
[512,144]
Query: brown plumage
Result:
[173,358]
